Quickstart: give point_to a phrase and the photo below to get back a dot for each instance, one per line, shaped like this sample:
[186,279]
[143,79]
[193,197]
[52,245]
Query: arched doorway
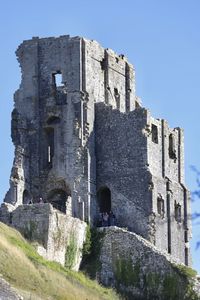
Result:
[104,199]
[58,199]
[26,198]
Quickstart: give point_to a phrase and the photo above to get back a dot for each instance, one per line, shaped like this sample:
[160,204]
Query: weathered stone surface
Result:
[7,292]
[51,229]
[86,146]
[6,212]
[139,270]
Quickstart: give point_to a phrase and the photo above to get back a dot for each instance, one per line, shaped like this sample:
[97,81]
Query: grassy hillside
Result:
[36,278]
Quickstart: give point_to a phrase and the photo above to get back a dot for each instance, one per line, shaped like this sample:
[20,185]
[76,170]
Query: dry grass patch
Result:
[36,278]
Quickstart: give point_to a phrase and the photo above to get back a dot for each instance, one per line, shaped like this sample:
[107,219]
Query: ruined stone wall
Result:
[52,230]
[121,151]
[109,77]
[169,161]
[134,163]
[89,74]
[138,270]
[89,132]
[166,163]
[42,108]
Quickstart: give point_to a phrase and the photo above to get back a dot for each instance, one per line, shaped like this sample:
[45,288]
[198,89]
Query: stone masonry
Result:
[84,144]
[139,270]
[52,231]
[7,292]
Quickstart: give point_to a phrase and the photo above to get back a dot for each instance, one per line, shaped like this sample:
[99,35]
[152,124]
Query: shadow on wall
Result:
[58,199]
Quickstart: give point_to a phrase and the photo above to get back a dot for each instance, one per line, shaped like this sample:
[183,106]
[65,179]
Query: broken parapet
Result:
[84,144]
[138,270]
[53,231]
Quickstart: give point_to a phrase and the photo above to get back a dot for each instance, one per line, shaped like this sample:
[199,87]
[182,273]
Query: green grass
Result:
[37,278]
[91,252]
[185,271]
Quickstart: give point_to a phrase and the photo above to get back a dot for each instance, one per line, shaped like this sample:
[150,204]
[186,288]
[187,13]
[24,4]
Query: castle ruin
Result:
[84,144]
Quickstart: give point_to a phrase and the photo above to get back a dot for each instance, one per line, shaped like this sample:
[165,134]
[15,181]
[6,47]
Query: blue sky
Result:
[161,39]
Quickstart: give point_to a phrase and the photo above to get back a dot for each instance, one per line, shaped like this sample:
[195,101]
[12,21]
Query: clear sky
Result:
[160,37]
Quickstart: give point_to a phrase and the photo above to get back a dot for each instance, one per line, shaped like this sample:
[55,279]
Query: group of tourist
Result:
[107,219]
[40,200]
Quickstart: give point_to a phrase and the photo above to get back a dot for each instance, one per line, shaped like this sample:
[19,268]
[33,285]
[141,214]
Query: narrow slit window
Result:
[172,150]
[160,207]
[117,98]
[49,154]
[177,212]
[154,133]
[50,146]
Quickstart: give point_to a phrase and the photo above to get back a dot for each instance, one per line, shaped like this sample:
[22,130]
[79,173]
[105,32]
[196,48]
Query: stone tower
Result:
[84,143]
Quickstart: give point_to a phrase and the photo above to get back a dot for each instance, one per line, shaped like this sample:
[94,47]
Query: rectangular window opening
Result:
[172,150]
[154,133]
[177,212]
[160,207]
[57,79]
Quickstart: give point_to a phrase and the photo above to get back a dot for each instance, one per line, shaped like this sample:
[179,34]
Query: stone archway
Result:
[58,198]
[104,199]
[26,197]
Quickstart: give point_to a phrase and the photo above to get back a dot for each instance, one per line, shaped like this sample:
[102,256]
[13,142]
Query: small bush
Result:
[71,252]
[91,252]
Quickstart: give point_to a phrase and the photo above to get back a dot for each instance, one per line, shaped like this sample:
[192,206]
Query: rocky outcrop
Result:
[7,292]
[58,236]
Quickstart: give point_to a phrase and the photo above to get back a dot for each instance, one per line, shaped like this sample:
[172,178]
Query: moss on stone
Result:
[30,230]
[88,242]
[177,285]
[171,287]
[125,273]
[151,282]
[185,271]
[91,251]
[71,252]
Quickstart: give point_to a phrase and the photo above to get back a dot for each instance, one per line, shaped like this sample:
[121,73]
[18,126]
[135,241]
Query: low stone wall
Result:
[7,292]
[59,237]
[33,221]
[6,210]
[139,271]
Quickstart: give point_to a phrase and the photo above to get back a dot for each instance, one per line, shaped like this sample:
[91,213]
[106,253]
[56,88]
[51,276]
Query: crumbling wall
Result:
[121,153]
[139,271]
[166,164]
[88,132]
[53,123]
[51,230]
[47,123]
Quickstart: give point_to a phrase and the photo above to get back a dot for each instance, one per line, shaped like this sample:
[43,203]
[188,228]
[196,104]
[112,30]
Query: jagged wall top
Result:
[85,66]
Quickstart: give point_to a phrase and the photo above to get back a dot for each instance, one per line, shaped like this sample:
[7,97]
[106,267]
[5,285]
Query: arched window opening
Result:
[58,199]
[172,150]
[53,120]
[49,146]
[26,198]
[104,200]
